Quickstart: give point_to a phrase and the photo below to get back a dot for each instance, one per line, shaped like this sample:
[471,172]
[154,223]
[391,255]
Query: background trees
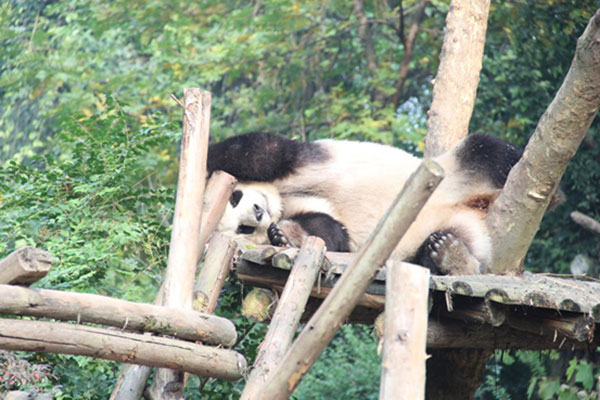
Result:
[88,130]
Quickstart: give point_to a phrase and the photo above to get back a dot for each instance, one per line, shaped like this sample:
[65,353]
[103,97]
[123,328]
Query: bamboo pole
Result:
[287,315]
[323,325]
[82,307]
[405,332]
[25,266]
[58,337]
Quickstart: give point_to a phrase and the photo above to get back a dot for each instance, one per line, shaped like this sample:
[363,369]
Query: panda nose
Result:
[258,211]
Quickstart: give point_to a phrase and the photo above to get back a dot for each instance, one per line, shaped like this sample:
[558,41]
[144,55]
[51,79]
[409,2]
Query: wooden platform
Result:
[530,311]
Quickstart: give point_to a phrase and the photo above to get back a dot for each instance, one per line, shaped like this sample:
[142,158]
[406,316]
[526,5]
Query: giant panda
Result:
[339,190]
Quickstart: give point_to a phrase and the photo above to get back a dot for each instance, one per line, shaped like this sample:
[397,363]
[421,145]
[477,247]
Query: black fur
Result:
[332,231]
[489,157]
[262,156]
[423,256]
[235,198]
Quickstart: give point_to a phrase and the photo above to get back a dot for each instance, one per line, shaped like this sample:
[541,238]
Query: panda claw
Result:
[276,236]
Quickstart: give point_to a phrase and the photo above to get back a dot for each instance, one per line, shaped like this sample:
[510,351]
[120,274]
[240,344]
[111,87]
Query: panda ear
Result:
[235,198]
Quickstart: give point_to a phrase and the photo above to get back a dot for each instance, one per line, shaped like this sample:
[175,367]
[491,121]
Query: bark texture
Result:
[287,315]
[405,332]
[515,216]
[56,337]
[457,78]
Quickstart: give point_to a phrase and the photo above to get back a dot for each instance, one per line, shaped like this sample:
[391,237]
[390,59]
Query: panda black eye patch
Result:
[245,229]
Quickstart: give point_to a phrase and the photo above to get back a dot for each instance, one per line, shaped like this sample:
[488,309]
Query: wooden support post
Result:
[185,243]
[213,272]
[58,337]
[405,332]
[287,315]
[184,250]
[218,191]
[25,266]
[82,307]
[323,325]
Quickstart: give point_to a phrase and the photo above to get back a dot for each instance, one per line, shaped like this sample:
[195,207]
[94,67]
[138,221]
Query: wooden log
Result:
[259,304]
[184,250]
[586,222]
[58,337]
[213,272]
[321,328]
[252,274]
[216,195]
[405,332]
[122,314]
[451,334]
[287,315]
[25,266]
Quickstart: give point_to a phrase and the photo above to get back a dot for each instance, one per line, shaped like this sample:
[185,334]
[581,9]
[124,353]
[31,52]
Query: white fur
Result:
[345,188]
[255,195]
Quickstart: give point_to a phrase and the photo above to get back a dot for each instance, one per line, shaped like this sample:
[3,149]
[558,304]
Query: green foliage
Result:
[92,180]
[93,205]
[349,368]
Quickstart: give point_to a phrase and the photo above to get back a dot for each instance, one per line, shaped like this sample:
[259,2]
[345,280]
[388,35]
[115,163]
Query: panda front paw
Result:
[450,254]
[276,236]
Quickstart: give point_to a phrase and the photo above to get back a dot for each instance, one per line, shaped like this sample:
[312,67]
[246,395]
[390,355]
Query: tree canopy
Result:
[88,131]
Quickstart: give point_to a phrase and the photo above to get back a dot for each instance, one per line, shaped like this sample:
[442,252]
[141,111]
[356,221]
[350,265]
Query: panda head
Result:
[252,207]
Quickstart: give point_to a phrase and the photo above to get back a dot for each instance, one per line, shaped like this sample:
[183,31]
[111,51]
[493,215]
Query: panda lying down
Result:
[339,190]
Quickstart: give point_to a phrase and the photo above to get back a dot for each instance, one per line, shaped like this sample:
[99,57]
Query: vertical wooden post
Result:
[404,332]
[184,249]
[323,325]
[287,315]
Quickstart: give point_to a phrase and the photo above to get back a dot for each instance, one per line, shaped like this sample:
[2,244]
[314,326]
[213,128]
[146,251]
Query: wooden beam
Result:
[25,266]
[57,337]
[287,315]
[213,272]
[83,307]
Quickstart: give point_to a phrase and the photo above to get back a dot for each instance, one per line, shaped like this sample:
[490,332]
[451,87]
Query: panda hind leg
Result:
[446,254]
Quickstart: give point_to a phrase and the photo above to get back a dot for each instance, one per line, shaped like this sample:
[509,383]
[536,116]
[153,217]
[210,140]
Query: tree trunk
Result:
[457,79]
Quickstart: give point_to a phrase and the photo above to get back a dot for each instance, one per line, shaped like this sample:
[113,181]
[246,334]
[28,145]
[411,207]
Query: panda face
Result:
[250,211]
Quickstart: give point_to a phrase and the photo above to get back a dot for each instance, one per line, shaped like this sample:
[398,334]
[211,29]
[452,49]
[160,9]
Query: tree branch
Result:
[409,45]
[515,216]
